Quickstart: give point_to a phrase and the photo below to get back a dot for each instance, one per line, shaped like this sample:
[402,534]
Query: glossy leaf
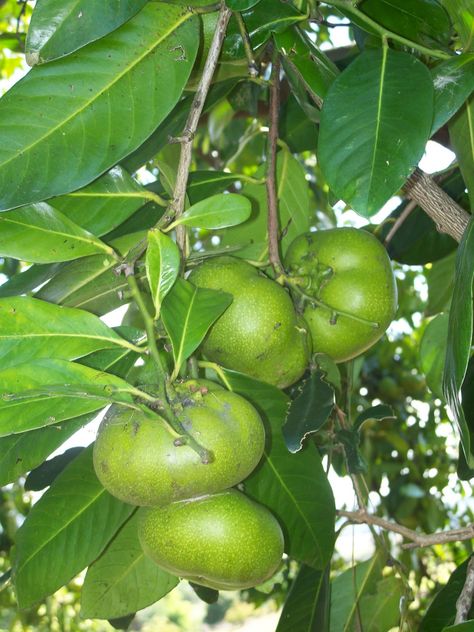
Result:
[380,412]
[218,211]
[306,608]
[29,280]
[293,486]
[123,580]
[187,314]
[59,27]
[203,184]
[20,453]
[459,341]
[93,107]
[241,5]
[65,531]
[461,132]
[45,392]
[453,82]
[440,279]
[162,266]
[309,411]
[30,328]
[375,122]
[105,203]
[117,361]
[43,475]
[41,234]
[462,17]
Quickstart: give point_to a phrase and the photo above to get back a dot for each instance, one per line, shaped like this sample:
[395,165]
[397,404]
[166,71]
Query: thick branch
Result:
[449,217]
[271,181]
[464,602]
[417,539]
[179,196]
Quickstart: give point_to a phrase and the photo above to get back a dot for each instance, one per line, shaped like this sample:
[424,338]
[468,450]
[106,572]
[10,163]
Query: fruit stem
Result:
[335,313]
[218,369]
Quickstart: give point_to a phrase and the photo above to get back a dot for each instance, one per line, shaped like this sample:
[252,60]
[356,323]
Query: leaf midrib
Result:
[379,112]
[24,150]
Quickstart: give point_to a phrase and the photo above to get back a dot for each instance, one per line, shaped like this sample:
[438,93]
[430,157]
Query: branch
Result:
[417,539]
[399,221]
[179,195]
[464,601]
[271,183]
[449,217]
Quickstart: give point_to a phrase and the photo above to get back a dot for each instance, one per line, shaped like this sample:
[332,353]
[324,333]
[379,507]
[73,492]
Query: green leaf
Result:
[59,27]
[219,211]
[241,5]
[461,132]
[117,361]
[466,626]
[29,280]
[381,611]
[293,486]
[208,595]
[440,279]
[350,439]
[30,328]
[203,184]
[462,16]
[187,314]
[20,453]
[295,212]
[376,413]
[105,203]
[91,283]
[41,234]
[375,122]
[459,341]
[123,580]
[309,411]
[44,392]
[43,475]
[433,351]
[306,608]
[453,82]
[162,266]
[95,106]
[65,531]
[442,610]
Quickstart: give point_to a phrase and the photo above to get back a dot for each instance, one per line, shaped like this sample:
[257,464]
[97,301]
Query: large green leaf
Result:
[461,132]
[105,203]
[20,453]
[187,314]
[30,328]
[203,184]
[44,392]
[65,531]
[45,474]
[459,342]
[293,486]
[117,361]
[59,27]
[375,122]
[41,234]
[123,580]
[294,210]
[453,82]
[162,266]
[93,107]
[440,279]
[218,211]
[306,608]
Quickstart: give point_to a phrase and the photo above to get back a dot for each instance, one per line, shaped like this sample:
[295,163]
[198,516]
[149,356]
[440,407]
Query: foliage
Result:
[114,185]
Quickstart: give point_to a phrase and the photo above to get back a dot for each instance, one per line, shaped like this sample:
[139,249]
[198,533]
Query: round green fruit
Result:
[137,460]
[225,541]
[348,273]
[259,334]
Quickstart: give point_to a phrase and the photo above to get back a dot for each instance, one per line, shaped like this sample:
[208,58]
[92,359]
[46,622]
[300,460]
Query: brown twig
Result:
[252,64]
[417,539]
[399,221]
[179,194]
[449,217]
[271,180]
[464,601]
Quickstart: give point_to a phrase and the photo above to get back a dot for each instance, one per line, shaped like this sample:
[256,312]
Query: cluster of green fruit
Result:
[197,526]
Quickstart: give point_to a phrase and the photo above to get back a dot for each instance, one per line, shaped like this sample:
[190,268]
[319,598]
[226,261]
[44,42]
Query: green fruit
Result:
[136,459]
[225,541]
[259,334]
[348,273]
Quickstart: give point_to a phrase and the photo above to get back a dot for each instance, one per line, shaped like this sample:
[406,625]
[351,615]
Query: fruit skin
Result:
[361,283]
[136,460]
[224,541]
[259,334]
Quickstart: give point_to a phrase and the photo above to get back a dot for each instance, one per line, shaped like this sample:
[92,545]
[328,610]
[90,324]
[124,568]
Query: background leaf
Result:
[433,352]
[306,608]
[218,211]
[43,475]
[123,580]
[375,122]
[162,265]
[453,82]
[380,412]
[129,80]
[65,531]
[59,27]
[461,133]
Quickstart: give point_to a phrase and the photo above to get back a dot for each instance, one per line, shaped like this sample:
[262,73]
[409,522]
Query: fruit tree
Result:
[221,249]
